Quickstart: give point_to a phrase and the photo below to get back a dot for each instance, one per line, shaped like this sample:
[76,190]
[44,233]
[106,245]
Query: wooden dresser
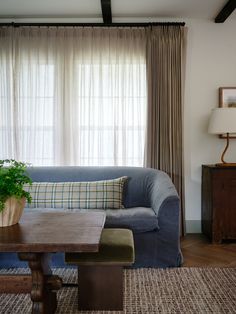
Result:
[219,202]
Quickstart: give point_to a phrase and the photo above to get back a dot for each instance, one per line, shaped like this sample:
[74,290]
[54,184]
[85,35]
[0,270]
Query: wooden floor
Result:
[199,252]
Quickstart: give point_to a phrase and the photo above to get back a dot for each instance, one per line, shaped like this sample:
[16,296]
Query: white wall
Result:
[211,63]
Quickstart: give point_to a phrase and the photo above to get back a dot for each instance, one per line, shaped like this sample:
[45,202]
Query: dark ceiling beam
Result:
[106,11]
[226,11]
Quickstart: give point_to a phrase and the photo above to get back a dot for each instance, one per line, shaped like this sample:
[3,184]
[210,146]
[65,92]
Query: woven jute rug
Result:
[175,290]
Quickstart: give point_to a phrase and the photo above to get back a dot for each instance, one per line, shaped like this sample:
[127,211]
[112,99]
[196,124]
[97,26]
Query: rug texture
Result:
[175,290]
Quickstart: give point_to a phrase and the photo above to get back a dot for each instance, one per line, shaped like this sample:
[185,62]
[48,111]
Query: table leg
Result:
[43,282]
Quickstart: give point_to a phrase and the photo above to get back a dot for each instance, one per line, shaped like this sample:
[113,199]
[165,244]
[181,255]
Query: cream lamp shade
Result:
[223,121]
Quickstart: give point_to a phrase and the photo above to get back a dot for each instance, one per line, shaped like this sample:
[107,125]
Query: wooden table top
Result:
[54,232]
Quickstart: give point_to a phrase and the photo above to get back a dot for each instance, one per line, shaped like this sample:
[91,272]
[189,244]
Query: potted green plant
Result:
[13,176]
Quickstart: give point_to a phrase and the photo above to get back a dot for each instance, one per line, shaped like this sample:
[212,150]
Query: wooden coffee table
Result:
[37,235]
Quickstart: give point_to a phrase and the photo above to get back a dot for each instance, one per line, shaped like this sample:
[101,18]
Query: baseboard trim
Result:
[193,226]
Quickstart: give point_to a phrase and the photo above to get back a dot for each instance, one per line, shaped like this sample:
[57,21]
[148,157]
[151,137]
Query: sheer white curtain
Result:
[73,96]
[7,137]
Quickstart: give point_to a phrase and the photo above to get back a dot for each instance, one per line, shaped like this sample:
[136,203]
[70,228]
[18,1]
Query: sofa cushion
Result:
[138,190]
[88,195]
[138,219]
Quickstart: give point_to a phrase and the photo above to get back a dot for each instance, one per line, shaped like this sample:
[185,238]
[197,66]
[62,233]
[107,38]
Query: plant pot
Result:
[12,211]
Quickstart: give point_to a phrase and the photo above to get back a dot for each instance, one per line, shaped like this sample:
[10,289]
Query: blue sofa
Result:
[151,211]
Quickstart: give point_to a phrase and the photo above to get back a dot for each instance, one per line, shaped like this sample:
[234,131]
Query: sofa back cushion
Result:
[88,195]
[137,191]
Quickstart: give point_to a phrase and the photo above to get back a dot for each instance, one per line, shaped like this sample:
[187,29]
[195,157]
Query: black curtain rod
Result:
[94,24]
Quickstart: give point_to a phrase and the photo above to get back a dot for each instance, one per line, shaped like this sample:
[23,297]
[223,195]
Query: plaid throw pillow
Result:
[70,195]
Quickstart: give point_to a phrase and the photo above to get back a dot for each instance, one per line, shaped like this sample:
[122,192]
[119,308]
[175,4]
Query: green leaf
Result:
[13,176]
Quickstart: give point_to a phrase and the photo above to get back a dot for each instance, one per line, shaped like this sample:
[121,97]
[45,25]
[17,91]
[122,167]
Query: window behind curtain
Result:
[6,95]
[35,109]
[75,96]
[111,114]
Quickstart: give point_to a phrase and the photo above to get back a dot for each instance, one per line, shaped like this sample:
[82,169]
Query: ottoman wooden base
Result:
[100,288]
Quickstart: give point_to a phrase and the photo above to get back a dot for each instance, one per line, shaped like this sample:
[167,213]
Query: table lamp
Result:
[223,121]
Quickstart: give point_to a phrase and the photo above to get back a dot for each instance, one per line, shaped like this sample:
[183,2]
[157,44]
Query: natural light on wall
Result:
[73,96]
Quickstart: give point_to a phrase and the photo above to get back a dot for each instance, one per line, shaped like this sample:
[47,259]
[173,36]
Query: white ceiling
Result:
[206,9]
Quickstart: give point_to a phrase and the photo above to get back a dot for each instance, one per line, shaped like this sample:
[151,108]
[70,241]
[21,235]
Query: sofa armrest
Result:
[162,193]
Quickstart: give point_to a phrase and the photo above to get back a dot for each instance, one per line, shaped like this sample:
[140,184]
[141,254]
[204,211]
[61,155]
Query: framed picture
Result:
[227,99]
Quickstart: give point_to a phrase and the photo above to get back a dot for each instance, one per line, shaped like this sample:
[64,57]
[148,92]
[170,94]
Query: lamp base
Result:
[226,164]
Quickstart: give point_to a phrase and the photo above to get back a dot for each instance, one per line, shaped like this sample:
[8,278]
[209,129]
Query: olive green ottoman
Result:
[100,274]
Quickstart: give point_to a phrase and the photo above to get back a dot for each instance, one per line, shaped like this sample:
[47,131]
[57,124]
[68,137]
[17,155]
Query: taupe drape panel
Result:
[165,76]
